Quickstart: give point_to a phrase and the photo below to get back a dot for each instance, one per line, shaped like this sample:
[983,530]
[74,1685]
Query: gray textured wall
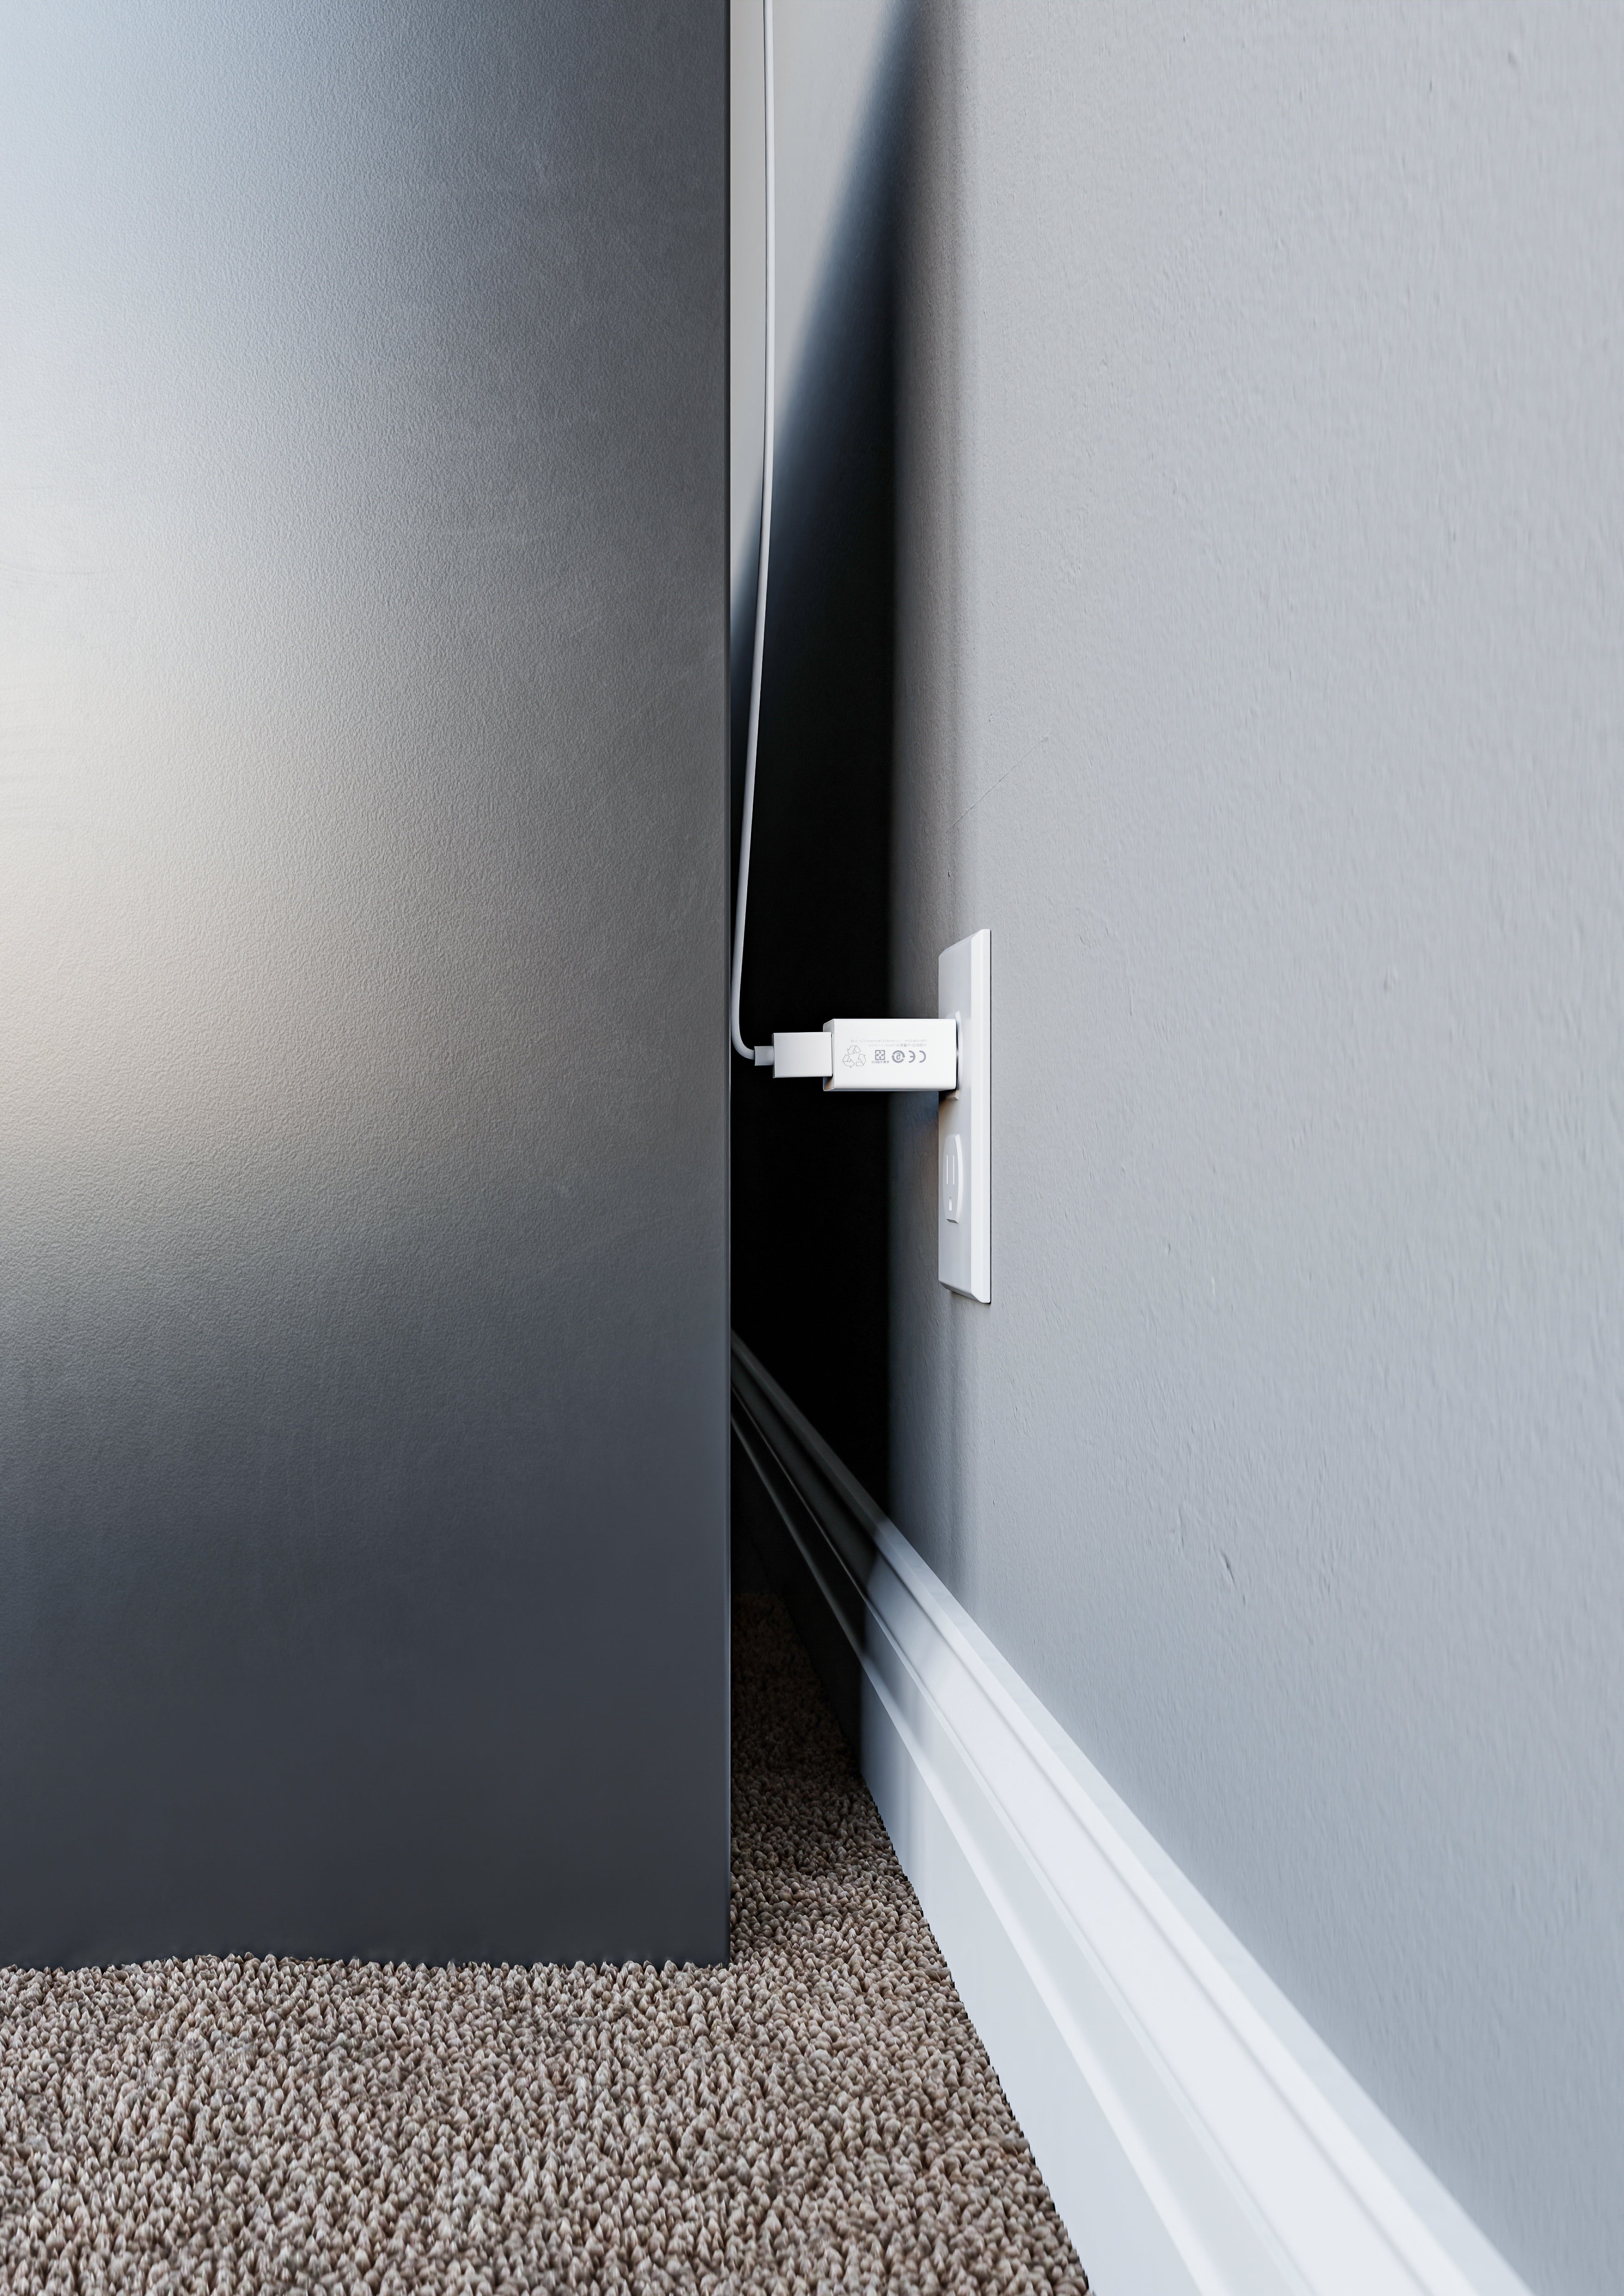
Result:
[362,912]
[1261,686]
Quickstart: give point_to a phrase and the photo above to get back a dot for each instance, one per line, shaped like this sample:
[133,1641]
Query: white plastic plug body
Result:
[873,1055]
[892,1056]
[800,1053]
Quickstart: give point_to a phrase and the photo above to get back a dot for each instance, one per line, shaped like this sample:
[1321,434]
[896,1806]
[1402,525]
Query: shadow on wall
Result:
[811,1243]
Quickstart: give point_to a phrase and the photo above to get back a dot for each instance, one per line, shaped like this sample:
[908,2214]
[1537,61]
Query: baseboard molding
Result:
[1195,2133]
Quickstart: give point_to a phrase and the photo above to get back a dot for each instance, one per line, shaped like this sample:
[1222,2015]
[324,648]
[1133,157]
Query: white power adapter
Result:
[871,1055]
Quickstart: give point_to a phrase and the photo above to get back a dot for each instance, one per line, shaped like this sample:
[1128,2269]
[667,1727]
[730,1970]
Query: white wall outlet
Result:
[953,1177]
[963,1126]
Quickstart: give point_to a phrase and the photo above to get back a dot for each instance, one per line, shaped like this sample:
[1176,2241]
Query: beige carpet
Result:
[820,2115]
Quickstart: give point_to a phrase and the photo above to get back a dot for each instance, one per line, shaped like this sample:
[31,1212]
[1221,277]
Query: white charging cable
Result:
[850,1055]
[762,1055]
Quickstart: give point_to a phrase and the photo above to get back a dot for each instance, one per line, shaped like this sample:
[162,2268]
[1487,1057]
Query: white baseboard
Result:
[1193,2132]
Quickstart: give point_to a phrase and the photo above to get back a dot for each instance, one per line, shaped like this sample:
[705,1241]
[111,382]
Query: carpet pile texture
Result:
[820,2115]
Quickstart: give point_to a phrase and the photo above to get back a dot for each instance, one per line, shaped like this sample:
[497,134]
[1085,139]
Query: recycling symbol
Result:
[852,1057]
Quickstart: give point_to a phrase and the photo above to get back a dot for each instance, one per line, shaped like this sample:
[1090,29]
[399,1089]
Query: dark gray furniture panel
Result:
[363,923]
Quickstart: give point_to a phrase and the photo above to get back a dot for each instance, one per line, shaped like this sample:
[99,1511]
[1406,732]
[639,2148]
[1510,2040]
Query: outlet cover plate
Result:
[963,1245]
